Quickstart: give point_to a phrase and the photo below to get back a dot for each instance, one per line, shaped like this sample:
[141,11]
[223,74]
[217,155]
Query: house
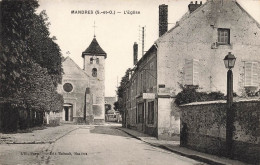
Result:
[109,103]
[191,53]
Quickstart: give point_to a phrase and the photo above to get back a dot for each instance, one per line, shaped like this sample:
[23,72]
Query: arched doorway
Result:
[67,112]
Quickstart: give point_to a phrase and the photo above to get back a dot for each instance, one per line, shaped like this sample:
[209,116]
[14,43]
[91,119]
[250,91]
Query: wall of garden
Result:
[203,128]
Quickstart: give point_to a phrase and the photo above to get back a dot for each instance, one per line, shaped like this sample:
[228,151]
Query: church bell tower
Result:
[94,65]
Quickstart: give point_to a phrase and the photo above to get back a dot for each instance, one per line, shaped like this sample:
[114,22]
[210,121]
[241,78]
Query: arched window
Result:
[91,60]
[97,61]
[94,72]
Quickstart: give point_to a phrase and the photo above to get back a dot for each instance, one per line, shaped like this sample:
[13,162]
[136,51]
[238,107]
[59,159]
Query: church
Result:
[83,90]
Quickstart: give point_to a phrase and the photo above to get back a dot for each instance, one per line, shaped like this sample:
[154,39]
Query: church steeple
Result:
[94,65]
[94,49]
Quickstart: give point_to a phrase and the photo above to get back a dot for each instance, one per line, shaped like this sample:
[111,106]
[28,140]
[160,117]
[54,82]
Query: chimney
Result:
[135,47]
[163,19]
[192,7]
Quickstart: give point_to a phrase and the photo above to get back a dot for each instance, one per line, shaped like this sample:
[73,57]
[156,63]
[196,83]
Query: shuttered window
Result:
[191,70]
[251,74]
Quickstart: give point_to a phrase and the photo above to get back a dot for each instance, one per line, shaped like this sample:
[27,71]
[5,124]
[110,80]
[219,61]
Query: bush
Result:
[190,94]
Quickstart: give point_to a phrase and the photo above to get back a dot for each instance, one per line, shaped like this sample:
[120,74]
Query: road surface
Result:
[95,145]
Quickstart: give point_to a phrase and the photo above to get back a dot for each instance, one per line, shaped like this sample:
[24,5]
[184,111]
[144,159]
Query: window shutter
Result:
[191,69]
[251,74]
[255,73]
[195,72]
[248,70]
[188,68]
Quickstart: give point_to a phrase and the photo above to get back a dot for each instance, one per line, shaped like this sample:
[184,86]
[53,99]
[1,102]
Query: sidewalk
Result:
[47,135]
[174,146]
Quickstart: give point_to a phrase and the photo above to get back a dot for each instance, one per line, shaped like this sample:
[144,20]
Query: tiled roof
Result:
[94,49]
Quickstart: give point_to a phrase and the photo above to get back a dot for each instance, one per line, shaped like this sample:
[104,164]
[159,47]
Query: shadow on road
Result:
[108,130]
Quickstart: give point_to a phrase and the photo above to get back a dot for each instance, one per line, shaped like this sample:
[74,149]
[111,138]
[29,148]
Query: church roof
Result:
[94,49]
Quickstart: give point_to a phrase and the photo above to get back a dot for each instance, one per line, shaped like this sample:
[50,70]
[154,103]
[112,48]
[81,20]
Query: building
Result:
[75,88]
[191,53]
[94,65]
[84,90]
[109,103]
[111,114]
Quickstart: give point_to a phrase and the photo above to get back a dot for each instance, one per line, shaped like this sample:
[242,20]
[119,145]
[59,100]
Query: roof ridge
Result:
[258,25]
[68,58]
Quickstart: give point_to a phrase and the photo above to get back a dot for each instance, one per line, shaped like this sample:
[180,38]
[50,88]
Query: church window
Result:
[67,87]
[97,61]
[91,60]
[94,72]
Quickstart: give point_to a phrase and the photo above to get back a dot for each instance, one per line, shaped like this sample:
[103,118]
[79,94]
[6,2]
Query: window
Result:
[97,61]
[94,72]
[151,75]
[91,60]
[223,36]
[191,70]
[67,87]
[151,112]
[251,74]
[141,82]
[140,118]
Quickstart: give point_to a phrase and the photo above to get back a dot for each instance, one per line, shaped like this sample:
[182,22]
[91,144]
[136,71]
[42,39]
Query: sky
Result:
[116,32]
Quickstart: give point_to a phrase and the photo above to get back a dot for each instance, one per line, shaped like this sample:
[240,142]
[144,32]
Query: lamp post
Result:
[229,62]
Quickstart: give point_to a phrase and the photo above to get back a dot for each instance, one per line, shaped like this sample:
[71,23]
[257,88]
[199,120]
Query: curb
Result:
[44,142]
[52,141]
[194,157]
[136,137]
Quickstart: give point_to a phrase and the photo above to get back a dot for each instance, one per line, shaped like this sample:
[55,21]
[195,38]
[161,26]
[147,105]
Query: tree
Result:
[30,60]
[119,105]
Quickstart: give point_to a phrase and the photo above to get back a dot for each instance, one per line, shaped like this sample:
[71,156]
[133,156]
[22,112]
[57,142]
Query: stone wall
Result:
[203,128]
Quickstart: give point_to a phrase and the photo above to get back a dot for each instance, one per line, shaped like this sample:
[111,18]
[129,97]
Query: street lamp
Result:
[229,62]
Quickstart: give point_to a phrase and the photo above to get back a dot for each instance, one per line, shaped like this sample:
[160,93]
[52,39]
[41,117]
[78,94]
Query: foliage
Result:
[43,48]
[17,16]
[119,105]
[190,94]
[42,96]
[107,107]
[116,105]
[251,92]
[30,60]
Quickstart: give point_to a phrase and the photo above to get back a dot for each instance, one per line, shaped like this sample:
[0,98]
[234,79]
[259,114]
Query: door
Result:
[66,109]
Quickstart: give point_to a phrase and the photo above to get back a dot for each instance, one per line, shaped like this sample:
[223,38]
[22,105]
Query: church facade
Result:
[83,90]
